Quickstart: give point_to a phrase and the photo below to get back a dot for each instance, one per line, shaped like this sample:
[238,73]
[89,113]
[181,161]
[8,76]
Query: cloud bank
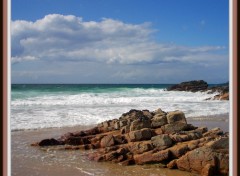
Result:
[68,38]
[67,49]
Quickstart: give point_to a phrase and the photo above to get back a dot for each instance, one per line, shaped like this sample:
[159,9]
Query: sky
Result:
[124,41]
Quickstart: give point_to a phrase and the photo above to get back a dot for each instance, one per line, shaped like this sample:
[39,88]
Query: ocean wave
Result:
[70,109]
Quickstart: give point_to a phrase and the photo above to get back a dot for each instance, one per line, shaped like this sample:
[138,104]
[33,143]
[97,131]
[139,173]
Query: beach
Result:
[49,111]
[34,161]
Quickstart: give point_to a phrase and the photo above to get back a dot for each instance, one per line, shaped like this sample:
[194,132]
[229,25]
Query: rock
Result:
[208,170]
[49,142]
[178,150]
[222,96]
[139,135]
[174,127]
[193,86]
[138,125]
[158,131]
[176,116]
[147,114]
[125,129]
[213,132]
[159,120]
[78,140]
[196,160]
[120,139]
[107,141]
[221,143]
[159,111]
[117,125]
[140,147]
[123,123]
[92,131]
[127,162]
[150,157]
[172,164]
[154,138]
[161,141]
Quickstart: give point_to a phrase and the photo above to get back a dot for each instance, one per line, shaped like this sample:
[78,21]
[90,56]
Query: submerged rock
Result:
[158,137]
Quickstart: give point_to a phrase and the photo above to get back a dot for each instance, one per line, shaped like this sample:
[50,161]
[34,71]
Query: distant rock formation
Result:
[158,137]
[193,86]
[200,85]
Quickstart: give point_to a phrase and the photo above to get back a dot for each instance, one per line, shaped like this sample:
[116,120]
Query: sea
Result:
[37,106]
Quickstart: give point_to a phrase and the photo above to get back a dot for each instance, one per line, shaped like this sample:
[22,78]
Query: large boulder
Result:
[196,160]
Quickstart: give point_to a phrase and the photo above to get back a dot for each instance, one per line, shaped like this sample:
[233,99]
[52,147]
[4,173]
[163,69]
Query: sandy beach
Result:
[34,161]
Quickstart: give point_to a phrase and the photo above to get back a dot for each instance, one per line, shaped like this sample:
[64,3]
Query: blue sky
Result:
[107,41]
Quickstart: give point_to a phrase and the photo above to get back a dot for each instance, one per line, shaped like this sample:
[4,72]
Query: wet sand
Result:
[34,161]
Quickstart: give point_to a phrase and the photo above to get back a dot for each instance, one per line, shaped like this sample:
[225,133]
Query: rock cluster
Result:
[200,85]
[193,86]
[144,137]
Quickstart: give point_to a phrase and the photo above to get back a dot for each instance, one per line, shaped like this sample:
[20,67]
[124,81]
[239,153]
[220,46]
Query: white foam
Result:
[90,108]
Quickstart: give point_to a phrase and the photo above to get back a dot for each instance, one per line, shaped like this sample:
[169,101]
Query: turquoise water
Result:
[36,106]
[30,90]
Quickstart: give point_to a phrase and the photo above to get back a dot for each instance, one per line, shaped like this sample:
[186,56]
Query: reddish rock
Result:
[195,161]
[140,147]
[222,96]
[178,150]
[167,139]
[158,131]
[208,170]
[172,164]
[107,141]
[127,162]
[150,157]
[213,132]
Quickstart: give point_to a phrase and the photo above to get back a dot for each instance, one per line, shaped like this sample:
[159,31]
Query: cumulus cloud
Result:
[68,38]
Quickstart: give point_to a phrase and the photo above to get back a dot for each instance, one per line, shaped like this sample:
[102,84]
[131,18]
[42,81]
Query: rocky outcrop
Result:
[144,137]
[193,86]
[200,85]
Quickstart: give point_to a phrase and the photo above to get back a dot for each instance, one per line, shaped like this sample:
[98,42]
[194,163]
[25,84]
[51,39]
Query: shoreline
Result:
[28,160]
[199,120]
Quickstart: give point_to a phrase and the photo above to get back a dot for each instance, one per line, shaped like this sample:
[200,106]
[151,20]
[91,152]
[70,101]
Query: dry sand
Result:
[33,161]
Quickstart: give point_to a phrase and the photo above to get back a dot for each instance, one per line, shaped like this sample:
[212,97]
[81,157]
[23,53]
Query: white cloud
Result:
[69,38]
